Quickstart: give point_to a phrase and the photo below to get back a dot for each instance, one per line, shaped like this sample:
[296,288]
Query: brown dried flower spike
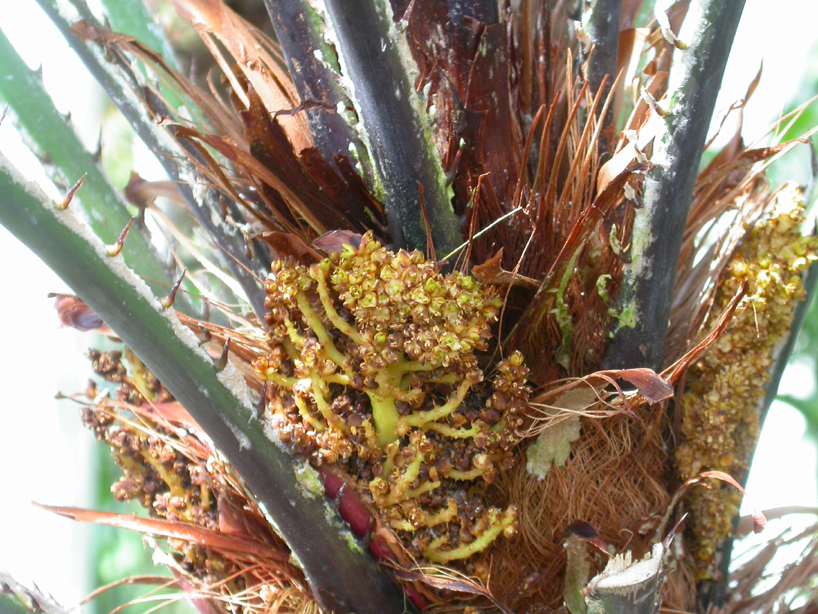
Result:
[372,367]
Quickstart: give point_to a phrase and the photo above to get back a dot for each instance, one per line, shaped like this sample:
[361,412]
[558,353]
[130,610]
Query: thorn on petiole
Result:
[261,405]
[63,204]
[221,363]
[114,249]
[168,300]
[203,335]
[336,501]
[97,155]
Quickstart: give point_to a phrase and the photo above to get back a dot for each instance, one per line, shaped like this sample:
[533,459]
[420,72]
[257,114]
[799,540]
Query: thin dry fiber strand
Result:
[613,479]
[763,586]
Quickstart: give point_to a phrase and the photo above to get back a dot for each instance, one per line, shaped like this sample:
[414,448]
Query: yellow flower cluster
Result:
[726,388]
[373,367]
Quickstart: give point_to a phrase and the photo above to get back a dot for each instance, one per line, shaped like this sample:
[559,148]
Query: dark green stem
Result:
[343,579]
[206,204]
[313,67]
[601,21]
[393,122]
[52,138]
[659,223]
[133,18]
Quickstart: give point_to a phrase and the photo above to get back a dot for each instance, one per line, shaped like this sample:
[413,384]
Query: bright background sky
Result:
[45,453]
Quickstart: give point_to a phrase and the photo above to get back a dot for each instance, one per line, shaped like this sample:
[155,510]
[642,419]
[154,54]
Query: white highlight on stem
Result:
[622,572]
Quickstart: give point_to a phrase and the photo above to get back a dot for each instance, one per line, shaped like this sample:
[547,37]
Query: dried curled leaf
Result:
[492,272]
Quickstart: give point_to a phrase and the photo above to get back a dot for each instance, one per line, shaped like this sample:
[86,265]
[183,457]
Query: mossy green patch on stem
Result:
[602,287]
[563,316]
[308,479]
[627,316]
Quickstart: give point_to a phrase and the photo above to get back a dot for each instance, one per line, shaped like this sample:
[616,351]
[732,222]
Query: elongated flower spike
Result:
[382,372]
[719,412]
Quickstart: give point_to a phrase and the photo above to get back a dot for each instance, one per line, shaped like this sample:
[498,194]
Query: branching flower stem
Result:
[390,381]
[497,526]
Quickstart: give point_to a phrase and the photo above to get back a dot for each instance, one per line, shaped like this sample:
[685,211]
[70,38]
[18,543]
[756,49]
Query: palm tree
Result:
[480,333]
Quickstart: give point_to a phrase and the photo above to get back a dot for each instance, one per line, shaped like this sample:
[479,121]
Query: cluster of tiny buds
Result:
[719,421]
[438,320]
[373,366]
[156,472]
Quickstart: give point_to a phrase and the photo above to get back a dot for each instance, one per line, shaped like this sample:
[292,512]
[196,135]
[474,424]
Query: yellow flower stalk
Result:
[432,231]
